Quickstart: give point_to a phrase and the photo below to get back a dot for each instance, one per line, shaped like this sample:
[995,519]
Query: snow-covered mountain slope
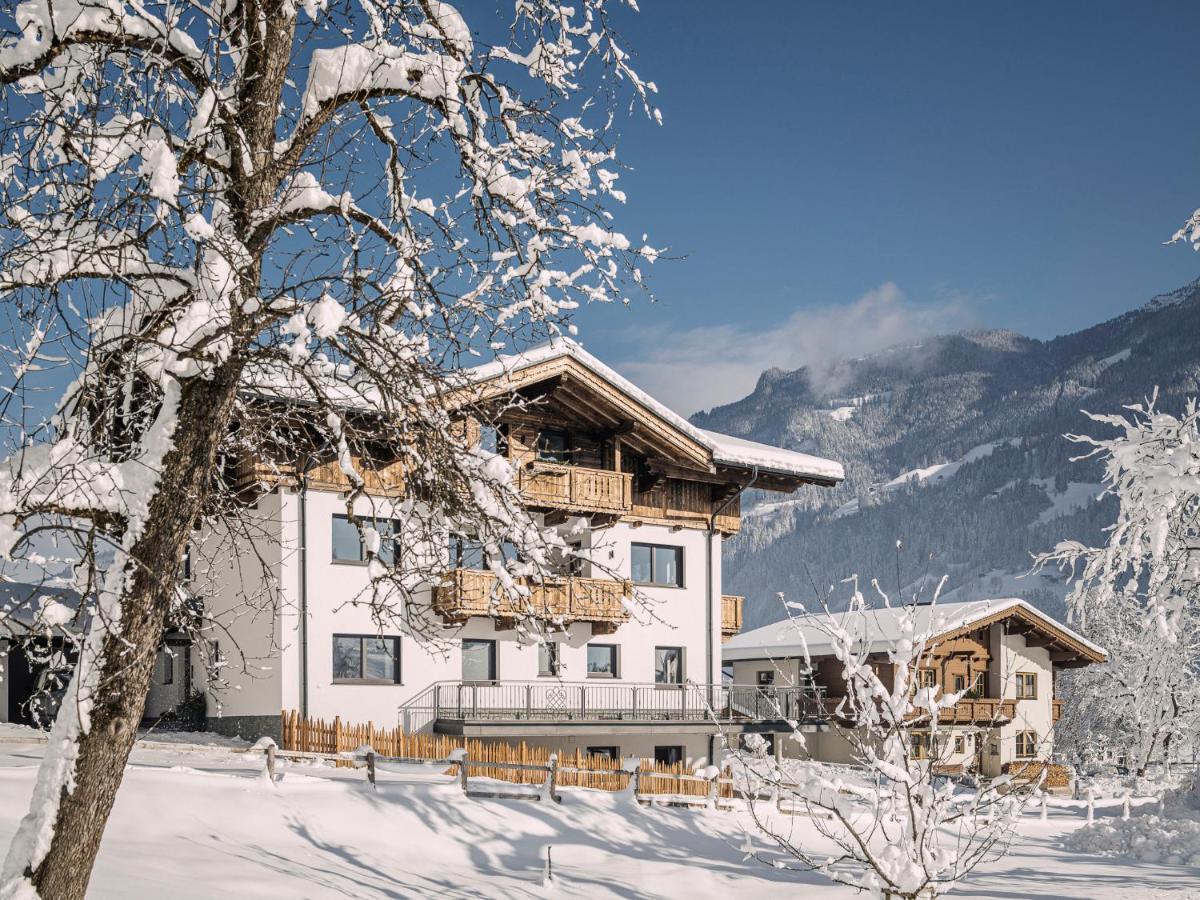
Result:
[954,447]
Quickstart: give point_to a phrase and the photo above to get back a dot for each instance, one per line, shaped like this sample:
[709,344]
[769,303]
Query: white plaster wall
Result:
[1011,655]
[669,617]
[228,575]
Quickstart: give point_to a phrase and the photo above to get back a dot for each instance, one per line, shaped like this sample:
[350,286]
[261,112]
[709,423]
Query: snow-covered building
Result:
[634,622]
[1001,656]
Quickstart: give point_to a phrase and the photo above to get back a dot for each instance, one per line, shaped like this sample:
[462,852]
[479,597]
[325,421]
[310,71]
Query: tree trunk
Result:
[128,655]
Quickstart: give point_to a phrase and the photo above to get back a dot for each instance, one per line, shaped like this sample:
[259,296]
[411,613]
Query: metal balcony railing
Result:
[550,700]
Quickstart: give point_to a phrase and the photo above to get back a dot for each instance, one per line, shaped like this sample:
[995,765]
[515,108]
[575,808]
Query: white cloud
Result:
[708,366]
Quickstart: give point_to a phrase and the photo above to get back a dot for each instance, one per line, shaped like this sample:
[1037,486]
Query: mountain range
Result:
[956,459]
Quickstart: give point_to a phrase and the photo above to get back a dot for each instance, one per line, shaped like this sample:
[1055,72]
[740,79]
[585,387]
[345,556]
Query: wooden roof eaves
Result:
[1059,635]
[662,430]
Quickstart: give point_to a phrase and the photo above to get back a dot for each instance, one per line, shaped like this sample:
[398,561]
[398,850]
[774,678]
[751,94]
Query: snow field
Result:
[205,823]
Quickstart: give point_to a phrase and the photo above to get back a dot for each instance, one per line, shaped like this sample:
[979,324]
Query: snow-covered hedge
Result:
[1171,837]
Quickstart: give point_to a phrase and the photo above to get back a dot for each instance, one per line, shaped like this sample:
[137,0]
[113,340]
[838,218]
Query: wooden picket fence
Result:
[579,770]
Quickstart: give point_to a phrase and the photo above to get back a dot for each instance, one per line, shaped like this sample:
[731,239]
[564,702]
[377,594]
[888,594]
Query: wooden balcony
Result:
[978,712]
[731,615]
[576,489]
[471,592]
[255,476]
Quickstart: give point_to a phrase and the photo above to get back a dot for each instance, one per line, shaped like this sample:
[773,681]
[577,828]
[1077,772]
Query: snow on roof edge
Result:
[769,641]
[726,449]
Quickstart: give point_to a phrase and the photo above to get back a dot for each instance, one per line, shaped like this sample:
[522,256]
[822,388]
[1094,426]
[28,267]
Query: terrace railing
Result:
[611,701]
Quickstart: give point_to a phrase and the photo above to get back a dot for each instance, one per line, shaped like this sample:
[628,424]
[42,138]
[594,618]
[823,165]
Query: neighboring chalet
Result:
[1001,655]
[645,496]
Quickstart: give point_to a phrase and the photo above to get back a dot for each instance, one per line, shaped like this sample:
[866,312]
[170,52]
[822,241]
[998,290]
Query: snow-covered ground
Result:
[207,823]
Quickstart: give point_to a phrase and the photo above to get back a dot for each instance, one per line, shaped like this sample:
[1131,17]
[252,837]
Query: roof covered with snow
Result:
[881,628]
[726,450]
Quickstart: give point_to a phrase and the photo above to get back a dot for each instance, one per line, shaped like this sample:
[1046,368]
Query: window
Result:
[348,545]
[669,755]
[166,666]
[924,745]
[668,665]
[1026,744]
[605,752]
[478,660]
[602,660]
[765,677]
[553,445]
[1027,685]
[655,564]
[549,665]
[494,439]
[469,553]
[926,678]
[960,744]
[185,567]
[366,659]
[960,683]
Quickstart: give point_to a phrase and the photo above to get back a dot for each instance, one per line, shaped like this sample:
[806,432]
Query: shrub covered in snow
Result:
[1167,833]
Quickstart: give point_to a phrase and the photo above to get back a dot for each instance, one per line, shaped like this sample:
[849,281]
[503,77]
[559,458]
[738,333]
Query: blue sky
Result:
[842,176]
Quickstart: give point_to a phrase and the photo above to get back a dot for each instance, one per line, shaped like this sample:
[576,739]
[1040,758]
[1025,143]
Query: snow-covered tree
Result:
[897,826]
[333,202]
[1139,594]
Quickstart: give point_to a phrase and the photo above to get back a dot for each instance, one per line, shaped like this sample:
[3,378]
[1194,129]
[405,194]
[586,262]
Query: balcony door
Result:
[478,660]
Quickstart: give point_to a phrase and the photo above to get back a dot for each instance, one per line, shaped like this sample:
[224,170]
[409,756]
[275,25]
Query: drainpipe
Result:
[708,607]
[309,464]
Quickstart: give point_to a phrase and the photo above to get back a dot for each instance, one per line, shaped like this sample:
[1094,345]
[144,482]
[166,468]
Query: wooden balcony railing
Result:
[731,615]
[978,712]
[576,488]
[1056,710]
[471,592]
[380,481]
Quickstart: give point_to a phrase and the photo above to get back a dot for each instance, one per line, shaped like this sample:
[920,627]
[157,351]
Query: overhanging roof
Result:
[719,451]
[881,629]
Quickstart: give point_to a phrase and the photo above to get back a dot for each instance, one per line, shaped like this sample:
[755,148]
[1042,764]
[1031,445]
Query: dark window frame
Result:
[564,456]
[679,555]
[682,666]
[362,678]
[765,678]
[677,750]
[923,745]
[392,535]
[553,653]
[610,751]
[616,661]
[493,660]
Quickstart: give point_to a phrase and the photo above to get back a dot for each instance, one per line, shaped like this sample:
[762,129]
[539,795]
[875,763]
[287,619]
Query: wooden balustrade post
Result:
[371,767]
[552,779]
[337,734]
[462,770]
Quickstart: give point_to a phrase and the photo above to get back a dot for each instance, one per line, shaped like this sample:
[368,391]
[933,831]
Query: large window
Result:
[366,659]
[668,665]
[553,445]
[478,660]
[469,553]
[656,564]
[1026,744]
[549,665]
[1027,685]
[348,544]
[602,660]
